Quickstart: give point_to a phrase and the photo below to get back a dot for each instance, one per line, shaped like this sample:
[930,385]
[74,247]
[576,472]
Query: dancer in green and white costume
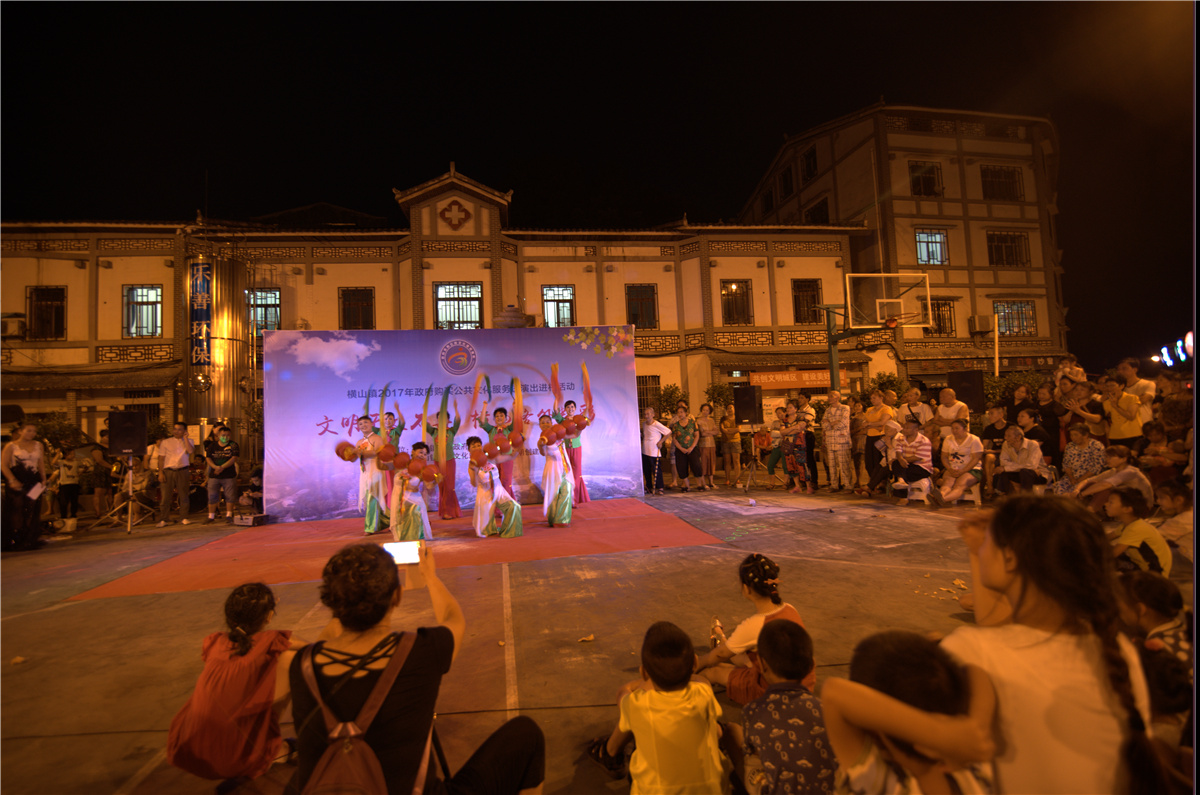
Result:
[490,497]
[557,481]
[410,518]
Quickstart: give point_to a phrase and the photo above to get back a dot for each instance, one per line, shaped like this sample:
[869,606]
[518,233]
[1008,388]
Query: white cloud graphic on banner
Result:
[342,354]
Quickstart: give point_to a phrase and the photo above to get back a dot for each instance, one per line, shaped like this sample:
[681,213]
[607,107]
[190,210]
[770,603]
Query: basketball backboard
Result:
[875,300]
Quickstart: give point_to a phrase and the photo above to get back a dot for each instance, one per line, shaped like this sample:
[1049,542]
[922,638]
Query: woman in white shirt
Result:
[653,434]
[962,453]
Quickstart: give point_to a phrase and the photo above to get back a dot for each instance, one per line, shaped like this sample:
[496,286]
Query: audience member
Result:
[1083,458]
[221,456]
[858,440]
[142,483]
[1175,501]
[229,727]
[776,454]
[836,424]
[877,416]
[361,586]
[731,447]
[1139,545]
[104,469]
[1018,400]
[914,407]
[1051,414]
[708,446]
[68,483]
[992,438]
[685,435]
[1043,568]
[732,661]
[949,409]
[653,435]
[1152,609]
[807,412]
[23,462]
[1120,472]
[797,451]
[174,462]
[1171,697]
[1068,367]
[1140,388]
[962,454]
[1173,404]
[672,720]
[1029,421]
[914,463]
[1020,463]
[1159,458]
[910,719]
[252,496]
[1085,408]
[1122,415]
[783,731]
[887,444]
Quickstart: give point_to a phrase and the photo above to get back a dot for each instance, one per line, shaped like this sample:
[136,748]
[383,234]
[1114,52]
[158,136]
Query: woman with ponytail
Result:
[733,661]
[229,728]
[1072,700]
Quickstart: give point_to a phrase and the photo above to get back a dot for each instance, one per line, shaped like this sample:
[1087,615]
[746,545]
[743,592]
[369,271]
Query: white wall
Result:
[731,267]
[21,271]
[149,271]
[655,273]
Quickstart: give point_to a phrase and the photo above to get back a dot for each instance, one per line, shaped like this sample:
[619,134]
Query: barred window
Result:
[1008,249]
[641,305]
[264,310]
[941,318]
[818,214]
[808,164]
[142,310]
[649,390]
[786,186]
[458,304]
[558,305]
[737,305]
[46,313]
[356,308]
[806,299]
[1015,318]
[1003,183]
[924,178]
[931,247]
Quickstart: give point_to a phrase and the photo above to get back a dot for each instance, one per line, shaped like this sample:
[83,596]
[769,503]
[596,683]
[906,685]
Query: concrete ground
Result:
[89,688]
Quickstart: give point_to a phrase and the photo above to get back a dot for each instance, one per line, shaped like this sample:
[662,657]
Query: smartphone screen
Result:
[404,551]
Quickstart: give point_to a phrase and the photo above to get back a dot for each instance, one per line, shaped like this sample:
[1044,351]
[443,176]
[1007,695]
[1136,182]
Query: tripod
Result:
[127,506]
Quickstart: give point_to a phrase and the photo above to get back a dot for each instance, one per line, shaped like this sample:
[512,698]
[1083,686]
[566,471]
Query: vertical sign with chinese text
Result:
[200,313]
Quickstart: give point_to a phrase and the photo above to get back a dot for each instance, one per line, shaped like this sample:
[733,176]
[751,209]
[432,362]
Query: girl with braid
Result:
[733,661]
[229,728]
[1072,700]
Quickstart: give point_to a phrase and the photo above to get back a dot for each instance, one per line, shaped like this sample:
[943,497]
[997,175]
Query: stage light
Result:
[1187,343]
[1166,357]
[1155,358]
[1179,351]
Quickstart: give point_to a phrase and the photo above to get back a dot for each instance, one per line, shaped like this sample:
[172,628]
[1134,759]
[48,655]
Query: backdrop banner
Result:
[317,383]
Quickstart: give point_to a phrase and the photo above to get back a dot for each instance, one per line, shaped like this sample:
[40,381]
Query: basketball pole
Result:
[834,337]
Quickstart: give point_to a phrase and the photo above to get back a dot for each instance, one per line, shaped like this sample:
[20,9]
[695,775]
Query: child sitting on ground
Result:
[490,496]
[1151,607]
[1139,546]
[910,719]
[1175,501]
[673,720]
[229,728]
[783,730]
[1120,472]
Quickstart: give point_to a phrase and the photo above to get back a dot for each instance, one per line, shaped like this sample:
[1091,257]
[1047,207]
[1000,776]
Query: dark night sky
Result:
[609,115]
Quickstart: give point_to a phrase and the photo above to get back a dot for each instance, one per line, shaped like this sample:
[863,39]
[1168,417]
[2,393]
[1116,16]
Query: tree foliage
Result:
[719,394]
[668,397]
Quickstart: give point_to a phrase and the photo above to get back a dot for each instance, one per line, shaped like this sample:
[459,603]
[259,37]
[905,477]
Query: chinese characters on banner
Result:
[797,379]
[200,313]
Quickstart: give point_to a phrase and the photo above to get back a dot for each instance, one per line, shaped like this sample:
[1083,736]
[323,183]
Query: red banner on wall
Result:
[797,379]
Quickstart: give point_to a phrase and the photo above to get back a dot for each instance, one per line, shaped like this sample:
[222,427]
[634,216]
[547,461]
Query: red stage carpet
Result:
[297,552]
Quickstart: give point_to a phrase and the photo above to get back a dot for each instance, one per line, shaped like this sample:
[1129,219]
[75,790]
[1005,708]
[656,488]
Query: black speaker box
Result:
[747,403]
[968,386]
[127,433]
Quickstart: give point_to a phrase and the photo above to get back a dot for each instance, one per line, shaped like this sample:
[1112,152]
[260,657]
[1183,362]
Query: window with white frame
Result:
[458,304]
[264,310]
[558,305]
[931,247]
[1015,318]
[141,314]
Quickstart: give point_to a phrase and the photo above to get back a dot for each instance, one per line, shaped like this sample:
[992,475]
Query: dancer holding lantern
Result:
[410,519]
[490,496]
[495,432]
[574,425]
[392,426]
[557,481]
[372,485]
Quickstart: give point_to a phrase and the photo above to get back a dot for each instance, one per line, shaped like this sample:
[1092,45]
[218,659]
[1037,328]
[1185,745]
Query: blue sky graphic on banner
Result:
[316,383]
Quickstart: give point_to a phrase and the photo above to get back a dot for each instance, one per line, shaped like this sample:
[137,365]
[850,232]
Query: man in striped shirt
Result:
[914,461]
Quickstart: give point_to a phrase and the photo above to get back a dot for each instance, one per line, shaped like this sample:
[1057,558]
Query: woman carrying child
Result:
[795,451]
[229,728]
[732,661]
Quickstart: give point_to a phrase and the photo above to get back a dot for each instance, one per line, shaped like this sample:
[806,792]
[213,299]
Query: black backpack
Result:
[349,766]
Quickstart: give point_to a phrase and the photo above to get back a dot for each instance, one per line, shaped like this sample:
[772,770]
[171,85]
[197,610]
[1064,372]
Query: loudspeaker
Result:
[747,403]
[127,433]
[968,386]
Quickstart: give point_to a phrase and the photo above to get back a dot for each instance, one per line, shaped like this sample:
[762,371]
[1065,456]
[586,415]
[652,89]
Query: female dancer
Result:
[448,507]
[557,483]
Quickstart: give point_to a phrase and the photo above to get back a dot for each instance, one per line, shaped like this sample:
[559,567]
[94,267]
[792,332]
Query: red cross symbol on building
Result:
[455,215]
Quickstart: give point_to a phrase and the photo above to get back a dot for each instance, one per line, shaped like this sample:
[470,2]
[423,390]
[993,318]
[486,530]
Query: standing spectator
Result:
[1020,463]
[23,462]
[913,406]
[150,461]
[776,454]
[1121,409]
[731,447]
[1083,458]
[1020,399]
[807,413]
[174,461]
[653,434]
[708,446]
[877,415]
[949,409]
[1139,387]
[686,437]
[836,424]
[1068,367]
[1063,387]
[914,462]
[1085,408]
[102,467]
[858,439]
[1052,413]
[796,451]
[962,453]
[68,484]
[221,455]
[889,398]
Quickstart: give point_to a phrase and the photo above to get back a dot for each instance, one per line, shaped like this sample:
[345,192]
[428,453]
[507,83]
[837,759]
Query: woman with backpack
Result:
[379,688]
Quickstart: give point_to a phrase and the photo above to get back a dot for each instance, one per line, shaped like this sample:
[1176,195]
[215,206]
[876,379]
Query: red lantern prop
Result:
[478,457]
[516,439]
[416,467]
[491,449]
[570,426]
[581,422]
[346,451]
[559,431]
[387,453]
[503,443]
[401,460]
[428,474]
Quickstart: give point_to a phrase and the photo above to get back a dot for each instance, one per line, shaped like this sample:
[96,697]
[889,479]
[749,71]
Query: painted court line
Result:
[140,776]
[510,652]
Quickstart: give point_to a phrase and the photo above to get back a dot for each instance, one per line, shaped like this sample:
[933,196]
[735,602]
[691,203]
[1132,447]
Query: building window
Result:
[1002,183]
[737,306]
[641,305]
[941,318]
[924,178]
[1015,318]
[818,214]
[356,308]
[46,313]
[768,201]
[1008,249]
[142,313]
[153,411]
[558,305]
[931,247]
[458,304]
[806,298]
[786,188]
[808,164]
[649,390]
[264,310]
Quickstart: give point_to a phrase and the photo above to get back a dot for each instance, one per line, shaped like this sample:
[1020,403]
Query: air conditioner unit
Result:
[12,328]
[981,324]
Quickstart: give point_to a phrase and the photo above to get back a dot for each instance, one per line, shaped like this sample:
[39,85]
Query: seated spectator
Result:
[252,496]
[992,437]
[886,444]
[1158,457]
[229,728]
[1139,546]
[910,719]
[1171,694]
[1172,404]
[1020,463]
[1121,414]
[1152,608]
[783,731]
[1175,500]
[914,463]
[673,721]
[1029,421]
[1120,472]
[1085,408]
[1082,458]
[1020,399]
[361,586]
[962,454]
[1048,627]
[145,491]
[732,662]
